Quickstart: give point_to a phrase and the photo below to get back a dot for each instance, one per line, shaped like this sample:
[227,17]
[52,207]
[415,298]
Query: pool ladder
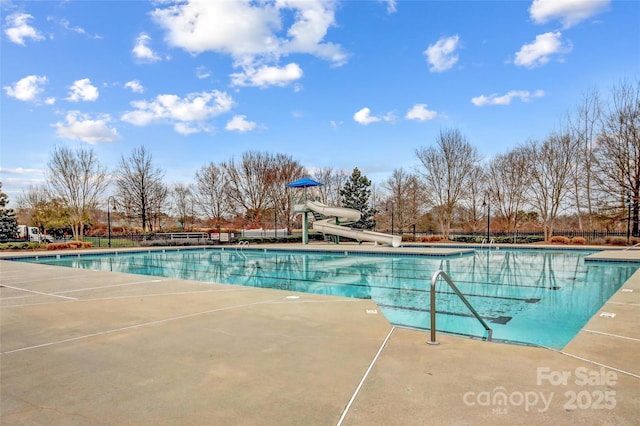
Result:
[241,245]
[446,278]
[489,244]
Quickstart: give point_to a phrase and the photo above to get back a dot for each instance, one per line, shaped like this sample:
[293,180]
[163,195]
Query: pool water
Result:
[536,297]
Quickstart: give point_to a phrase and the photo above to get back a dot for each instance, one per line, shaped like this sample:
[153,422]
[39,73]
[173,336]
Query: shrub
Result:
[69,245]
[467,239]
[20,245]
[578,241]
[431,238]
[616,241]
[408,238]
[559,239]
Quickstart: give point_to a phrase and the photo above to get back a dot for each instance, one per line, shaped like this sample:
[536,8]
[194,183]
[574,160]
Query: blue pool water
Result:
[535,297]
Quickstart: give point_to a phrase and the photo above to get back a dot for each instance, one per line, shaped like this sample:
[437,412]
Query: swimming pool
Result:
[535,297]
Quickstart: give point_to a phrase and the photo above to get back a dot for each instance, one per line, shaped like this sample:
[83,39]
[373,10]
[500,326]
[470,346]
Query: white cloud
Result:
[82,127]
[82,90]
[27,88]
[569,12]
[76,29]
[135,86]
[19,171]
[390,117]
[255,34]
[392,6]
[18,29]
[312,21]
[240,124]
[142,51]
[232,27]
[267,76]
[364,117]
[186,129]
[442,55]
[335,124]
[421,113]
[540,51]
[242,28]
[192,110]
[494,99]
[202,72]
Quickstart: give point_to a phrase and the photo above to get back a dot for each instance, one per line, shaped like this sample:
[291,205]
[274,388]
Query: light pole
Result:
[109,218]
[487,203]
[392,219]
[628,216]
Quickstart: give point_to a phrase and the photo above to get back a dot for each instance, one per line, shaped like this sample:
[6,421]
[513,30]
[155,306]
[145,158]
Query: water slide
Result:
[347,216]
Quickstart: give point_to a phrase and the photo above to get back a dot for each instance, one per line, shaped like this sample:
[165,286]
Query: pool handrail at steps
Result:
[489,243]
[432,308]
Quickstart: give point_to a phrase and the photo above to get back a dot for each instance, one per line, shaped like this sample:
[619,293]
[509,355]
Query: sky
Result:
[339,84]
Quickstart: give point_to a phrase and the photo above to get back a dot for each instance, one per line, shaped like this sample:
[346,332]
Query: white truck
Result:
[32,233]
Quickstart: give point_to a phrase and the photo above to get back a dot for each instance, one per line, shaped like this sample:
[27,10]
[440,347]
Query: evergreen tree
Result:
[8,222]
[355,195]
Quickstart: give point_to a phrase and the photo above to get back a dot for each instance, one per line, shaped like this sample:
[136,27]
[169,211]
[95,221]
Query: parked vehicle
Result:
[32,233]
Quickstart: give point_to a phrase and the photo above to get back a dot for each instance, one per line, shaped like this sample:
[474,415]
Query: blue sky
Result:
[332,84]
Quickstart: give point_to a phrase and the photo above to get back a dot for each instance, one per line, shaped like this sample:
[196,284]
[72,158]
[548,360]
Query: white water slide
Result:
[346,216]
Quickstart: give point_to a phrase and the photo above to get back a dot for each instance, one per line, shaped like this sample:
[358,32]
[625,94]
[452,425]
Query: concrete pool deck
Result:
[91,348]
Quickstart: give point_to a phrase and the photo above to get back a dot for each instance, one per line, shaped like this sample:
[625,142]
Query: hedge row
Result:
[276,240]
[69,245]
[520,239]
[23,245]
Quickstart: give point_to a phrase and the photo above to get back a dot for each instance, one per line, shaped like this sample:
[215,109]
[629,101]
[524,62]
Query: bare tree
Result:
[472,204]
[551,178]
[139,188]
[77,179]
[210,194]
[508,181]
[284,170]
[584,128]
[408,198]
[618,151]
[32,203]
[183,203]
[446,173]
[333,180]
[157,205]
[249,184]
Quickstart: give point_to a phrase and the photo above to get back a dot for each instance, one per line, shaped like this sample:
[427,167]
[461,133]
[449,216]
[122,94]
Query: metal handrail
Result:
[241,244]
[489,244]
[632,247]
[434,280]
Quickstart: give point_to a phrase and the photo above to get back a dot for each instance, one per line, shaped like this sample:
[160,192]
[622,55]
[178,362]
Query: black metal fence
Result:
[591,237]
[162,239]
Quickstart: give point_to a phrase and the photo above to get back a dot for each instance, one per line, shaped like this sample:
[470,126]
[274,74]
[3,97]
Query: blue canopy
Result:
[303,183]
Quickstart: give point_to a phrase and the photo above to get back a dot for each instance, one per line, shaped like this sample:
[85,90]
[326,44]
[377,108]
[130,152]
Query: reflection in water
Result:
[533,296]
